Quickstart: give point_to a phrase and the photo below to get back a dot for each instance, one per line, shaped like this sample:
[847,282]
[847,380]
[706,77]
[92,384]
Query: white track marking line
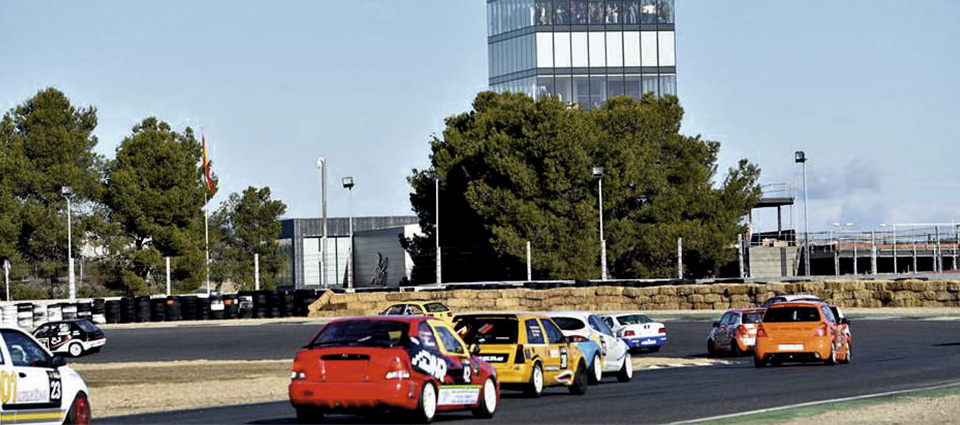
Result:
[817,403]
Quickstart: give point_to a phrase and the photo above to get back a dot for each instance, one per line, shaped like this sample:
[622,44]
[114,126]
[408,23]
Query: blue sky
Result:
[867,88]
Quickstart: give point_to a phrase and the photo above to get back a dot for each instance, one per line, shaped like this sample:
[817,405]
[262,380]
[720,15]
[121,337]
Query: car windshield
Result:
[791,314]
[376,333]
[488,330]
[568,323]
[752,317]
[633,319]
[88,326]
[436,308]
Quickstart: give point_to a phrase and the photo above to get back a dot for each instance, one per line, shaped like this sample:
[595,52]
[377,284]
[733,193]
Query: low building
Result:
[376,256]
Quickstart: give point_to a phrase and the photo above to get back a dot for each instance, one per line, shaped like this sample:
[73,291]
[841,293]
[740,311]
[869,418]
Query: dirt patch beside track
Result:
[668,362]
[909,410]
[130,388]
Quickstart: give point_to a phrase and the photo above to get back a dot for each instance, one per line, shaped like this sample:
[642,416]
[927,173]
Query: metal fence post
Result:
[873,252]
[740,253]
[938,261]
[529,269]
[256,271]
[168,276]
[680,258]
[855,253]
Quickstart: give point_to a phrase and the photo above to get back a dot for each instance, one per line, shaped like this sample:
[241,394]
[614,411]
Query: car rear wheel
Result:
[832,360]
[626,369]
[427,408]
[75,349]
[758,362]
[735,349]
[579,386]
[309,415]
[488,400]
[849,353]
[596,370]
[711,348]
[535,386]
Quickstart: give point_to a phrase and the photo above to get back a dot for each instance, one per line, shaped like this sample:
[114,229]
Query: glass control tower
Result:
[582,50]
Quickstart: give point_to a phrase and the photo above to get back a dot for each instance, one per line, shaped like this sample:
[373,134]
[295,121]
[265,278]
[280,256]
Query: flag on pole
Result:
[206,165]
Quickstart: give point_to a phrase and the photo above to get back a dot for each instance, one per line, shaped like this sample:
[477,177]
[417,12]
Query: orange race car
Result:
[800,331]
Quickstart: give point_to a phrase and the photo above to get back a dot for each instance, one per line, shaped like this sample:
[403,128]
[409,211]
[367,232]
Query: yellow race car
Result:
[420,308]
[528,351]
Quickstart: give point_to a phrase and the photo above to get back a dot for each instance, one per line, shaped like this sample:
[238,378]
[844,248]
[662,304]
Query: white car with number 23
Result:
[614,356]
[37,387]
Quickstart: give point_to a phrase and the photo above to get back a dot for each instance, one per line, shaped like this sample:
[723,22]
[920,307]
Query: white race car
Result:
[37,387]
[637,330]
[615,355]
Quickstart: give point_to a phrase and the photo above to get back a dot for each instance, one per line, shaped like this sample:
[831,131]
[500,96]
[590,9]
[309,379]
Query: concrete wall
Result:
[773,262]
[846,293]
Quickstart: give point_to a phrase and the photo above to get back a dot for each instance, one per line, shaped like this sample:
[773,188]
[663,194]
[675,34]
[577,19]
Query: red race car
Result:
[411,365]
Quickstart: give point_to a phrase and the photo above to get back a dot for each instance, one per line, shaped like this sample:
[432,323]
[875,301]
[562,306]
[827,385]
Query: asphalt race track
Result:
[888,355]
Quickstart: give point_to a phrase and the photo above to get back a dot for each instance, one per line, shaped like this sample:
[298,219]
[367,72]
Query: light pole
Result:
[348,184]
[800,158]
[598,174]
[322,165]
[67,192]
[436,226]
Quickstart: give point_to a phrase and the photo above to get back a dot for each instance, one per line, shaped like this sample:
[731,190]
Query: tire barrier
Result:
[244,306]
[260,307]
[9,315]
[230,306]
[112,311]
[128,309]
[188,308]
[68,310]
[203,308]
[143,310]
[288,306]
[39,314]
[54,313]
[274,304]
[158,309]
[85,309]
[99,311]
[25,315]
[217,307]
[173,311]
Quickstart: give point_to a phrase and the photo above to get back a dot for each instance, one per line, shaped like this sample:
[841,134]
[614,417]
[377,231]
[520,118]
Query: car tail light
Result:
[822,329]
[662,331]
[449,314]
[628,333]
[295,375]
[81,411]
[760,332]
[742,330]
[519,357]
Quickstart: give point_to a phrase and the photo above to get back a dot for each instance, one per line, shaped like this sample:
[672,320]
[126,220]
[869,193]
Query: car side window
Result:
[608,321]
[23,351]
[554,335]
[734,319]
[450,343]
[414,310]
[599,326]
[827,314]
[426,335]
[394,310]
[725,318]
[534,333]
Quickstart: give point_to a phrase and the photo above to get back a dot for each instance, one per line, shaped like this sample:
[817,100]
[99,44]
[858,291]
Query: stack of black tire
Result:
[128,310]
[112,310]
[217,307]
[261,307]
[158,309]
[231,306]
[173,311]
[85,310]
[143,310]
[203,308]
[188,308]
[302,300]
[99,311]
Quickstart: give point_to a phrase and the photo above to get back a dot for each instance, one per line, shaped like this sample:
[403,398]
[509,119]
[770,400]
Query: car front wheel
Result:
[488,400]
[579,386]
[76,349]
[596,370]
[626,369]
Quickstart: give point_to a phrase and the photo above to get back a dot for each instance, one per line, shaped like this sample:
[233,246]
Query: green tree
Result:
[45,144]
[515,170]
[247,224]
[155,196]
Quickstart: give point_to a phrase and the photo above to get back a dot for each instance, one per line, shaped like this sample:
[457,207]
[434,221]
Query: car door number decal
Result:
[8,387]
[56,386]
[563,358]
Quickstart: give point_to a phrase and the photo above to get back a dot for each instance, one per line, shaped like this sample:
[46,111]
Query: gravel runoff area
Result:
[118,389]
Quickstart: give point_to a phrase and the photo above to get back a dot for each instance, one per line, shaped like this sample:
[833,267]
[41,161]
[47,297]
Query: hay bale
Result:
[631,292]
[686,290]
[696,298]
[736,290]
[610,290]
[812,286]
[712,298]
[506,302]
[953,286]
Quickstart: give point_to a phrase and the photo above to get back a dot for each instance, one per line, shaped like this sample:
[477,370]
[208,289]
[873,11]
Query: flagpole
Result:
[206,238]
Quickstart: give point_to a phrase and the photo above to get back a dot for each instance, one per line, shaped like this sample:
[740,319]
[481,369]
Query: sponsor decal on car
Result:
[428,363]
[458,395]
